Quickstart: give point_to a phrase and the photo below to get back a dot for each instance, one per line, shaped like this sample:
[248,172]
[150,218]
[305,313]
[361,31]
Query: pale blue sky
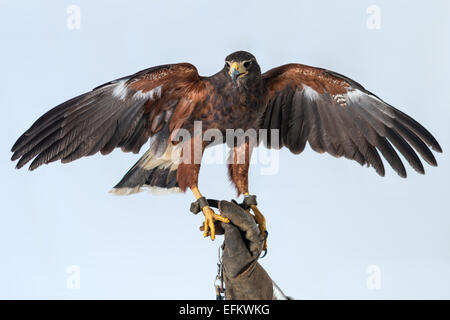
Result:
[329,219]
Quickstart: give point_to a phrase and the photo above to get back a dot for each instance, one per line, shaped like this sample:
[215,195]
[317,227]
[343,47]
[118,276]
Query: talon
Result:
[210,217]
[261,221]
[208,226]
[266,234]
[264,252]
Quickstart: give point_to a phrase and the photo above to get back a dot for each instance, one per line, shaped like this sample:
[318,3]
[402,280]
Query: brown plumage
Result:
[332,113]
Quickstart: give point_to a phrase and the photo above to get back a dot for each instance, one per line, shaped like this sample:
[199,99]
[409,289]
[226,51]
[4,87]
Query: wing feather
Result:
[335,114]
[122,113]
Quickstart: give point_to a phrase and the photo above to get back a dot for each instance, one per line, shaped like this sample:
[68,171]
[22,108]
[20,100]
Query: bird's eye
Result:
[247,64]
[227,64]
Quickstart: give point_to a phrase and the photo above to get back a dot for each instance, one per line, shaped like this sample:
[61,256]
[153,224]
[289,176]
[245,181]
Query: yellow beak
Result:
[237,70]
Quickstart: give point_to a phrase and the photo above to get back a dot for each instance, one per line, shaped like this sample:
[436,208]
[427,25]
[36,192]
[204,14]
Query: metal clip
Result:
[218,282]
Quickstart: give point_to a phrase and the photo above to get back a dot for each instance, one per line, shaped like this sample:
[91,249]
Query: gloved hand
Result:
[243,275]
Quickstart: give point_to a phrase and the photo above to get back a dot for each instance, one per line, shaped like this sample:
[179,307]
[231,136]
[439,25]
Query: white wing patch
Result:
[121,91]
[340,99]
[352,95]
[310,92]
[153,94]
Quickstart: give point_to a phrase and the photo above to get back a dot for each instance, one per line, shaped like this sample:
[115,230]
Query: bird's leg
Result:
[238,171]
[187,176]
[260,220]
[210,216]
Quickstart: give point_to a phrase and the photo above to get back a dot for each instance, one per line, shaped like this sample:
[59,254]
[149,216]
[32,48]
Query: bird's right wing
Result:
[122,113]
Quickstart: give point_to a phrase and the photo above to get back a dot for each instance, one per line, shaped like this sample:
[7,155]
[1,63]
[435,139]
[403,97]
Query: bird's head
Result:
[242,66]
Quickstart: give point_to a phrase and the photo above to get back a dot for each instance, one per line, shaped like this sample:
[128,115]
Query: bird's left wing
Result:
[122,113]
[337,115]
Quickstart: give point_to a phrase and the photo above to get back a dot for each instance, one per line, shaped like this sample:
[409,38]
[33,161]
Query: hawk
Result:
[331,112]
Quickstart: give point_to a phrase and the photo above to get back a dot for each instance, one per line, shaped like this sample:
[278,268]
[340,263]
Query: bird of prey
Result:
[331,112]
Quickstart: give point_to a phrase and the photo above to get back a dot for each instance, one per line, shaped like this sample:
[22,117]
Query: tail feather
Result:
[157,174]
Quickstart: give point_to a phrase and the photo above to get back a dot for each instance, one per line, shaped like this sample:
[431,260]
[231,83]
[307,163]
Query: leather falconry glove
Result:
[244,277]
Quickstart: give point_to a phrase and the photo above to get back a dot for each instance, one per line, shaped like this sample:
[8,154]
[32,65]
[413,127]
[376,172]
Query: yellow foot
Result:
[208,226]
[261,221]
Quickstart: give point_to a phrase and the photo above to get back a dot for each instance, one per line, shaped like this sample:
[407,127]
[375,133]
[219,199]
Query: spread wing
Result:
[337,115]
[122,113]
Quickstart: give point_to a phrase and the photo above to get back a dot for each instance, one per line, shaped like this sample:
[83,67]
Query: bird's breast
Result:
[234,112]
[227,106]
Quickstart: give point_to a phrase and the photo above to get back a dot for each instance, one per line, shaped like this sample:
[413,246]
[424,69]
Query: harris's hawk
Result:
[331,112]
